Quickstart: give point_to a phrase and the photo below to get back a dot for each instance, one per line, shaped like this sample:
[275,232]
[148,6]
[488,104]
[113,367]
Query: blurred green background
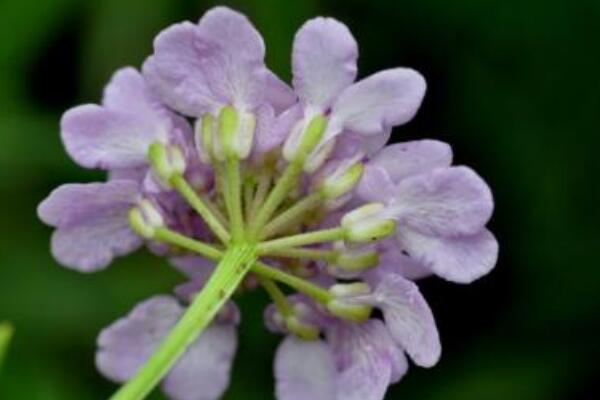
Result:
[514,86]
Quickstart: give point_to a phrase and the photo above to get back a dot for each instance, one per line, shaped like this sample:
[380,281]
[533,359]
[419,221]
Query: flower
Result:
[261,184]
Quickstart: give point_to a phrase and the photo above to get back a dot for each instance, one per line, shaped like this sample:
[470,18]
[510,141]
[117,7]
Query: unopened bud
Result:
[301,329]
[344,306]
[357,261]
[368,223]
[204,132]
[304,138]
[342,179]
[145,218]
[235,134]
[166,161]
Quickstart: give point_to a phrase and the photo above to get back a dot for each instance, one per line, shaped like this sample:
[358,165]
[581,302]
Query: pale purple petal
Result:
[126,344]
[197,68]
[116,135]
[383,100]
[323,62]
[203,371]
[281,129]
[394,261]
[96,137]
[304,370]
[91,223]
[129,92]
[367,360]
[401,160]
[375,185]
[461,259]
[278,93]
[350,143]
[266,137]
[446,201]
[128,174]
[194,267]
[408,318]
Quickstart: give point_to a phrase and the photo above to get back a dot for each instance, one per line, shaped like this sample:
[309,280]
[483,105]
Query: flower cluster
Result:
[212,160]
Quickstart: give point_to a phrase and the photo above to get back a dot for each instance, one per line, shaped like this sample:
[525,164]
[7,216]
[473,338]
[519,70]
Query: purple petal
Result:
[278,93]
[304,370]
[323,61]
[118,134]
[97,137]
[350,144]
[197,68]
[375,185]
[408,318]
[446,201]
[265,137]
[383,100]
[461,259]
[203,371]
[401,160]
[92,223]
[393,261]
[194,267]
[128,174]
[367,360]
[129,92]
[125,345]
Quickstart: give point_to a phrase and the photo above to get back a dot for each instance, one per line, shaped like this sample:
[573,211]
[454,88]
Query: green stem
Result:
[279,299]
[291,215]
[259,268]
[277,196]
[303,286]
[248,195]
[234,198]
[228,274]
[172,237]
[311,254]
[325,235]
[181,185]
[262,189]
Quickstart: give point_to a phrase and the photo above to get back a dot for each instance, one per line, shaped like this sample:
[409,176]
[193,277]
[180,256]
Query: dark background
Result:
[513,86]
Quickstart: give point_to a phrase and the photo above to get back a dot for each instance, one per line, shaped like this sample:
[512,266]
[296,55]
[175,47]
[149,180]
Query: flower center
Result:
[278,211]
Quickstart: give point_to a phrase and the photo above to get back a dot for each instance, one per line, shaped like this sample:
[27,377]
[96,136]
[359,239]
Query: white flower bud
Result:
[166,161]
[342,179]
[235,134]
[368,223]
[204,133]
[344,306]
[145,218]
[301,329]
[304,144]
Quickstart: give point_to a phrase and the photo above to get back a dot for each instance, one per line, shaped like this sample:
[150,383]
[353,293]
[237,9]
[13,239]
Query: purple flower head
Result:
[262,185]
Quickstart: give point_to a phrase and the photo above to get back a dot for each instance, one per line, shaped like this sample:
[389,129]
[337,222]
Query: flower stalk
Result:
[229,273]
